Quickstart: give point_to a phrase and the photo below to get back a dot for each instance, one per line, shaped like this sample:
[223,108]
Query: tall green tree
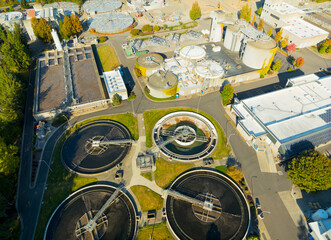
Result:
[42,29]
[24,4]
[278,36]
[311,171]
[269,33]
[9,158]
[11,97]
[227,94]
[67,28]
[15,53]
[195,12]
[284,42]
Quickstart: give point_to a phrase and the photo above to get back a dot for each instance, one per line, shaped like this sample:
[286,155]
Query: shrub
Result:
[135,32]
[259,11]
[276,66]
[147,28]
[164,26]
[290,69]
[195,12]
[328,50]
[102,39]
[132,96]
[156,28]
[227,94]
[116,100]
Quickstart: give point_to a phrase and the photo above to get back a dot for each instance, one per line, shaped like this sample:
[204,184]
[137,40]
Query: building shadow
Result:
[128,80]
[213,233]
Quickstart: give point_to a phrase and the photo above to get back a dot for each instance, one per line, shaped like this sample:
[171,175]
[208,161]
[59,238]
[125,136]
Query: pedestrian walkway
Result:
[266,161]
[293,209]
[136,178]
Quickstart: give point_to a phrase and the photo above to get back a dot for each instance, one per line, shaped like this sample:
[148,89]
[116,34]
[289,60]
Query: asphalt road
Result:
[263,185]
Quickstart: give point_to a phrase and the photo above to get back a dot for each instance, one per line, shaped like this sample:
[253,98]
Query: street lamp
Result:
[67,120]
[41,160]
[230,136]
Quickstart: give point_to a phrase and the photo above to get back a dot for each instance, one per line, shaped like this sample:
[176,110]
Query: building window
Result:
[274,16]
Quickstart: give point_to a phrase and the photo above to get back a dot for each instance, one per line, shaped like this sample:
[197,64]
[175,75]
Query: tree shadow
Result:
[302,230]
[232,161]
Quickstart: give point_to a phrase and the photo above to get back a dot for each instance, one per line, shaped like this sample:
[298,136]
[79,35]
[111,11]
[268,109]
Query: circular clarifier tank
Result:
[205,204]
[185,136]
[74,217]
[96,147]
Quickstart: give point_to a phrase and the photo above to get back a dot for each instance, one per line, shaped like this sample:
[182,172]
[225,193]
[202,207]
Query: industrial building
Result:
[162,84]
[149,63]
[219,18]
[115,84]
[282,15]
[277,12]
[256,49]
[289,120]
[320,225]
[67,80]
[10,19]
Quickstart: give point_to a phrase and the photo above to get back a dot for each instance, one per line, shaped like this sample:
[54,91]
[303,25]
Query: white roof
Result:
[292,111]
[114,81]
[284,8]
[192,52]
[303,29]
[303,79]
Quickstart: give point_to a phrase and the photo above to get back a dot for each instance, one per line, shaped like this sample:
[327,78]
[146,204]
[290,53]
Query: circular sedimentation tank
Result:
[69,219]
[149,63]
[185,136]
[96,147]
[193,53]
[209,69]
[162,84]
[110,22]
[101,6]
[206,204]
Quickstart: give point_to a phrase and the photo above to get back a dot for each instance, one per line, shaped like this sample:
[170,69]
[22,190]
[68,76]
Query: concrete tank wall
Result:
[256,57]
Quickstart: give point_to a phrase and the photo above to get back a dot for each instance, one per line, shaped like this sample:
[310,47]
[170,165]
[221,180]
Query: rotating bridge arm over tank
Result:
[92,223]
[162,144]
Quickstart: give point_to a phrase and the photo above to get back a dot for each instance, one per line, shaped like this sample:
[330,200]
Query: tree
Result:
[253,21]
[245,13]
[156,28]
[259,11]
[261,24]
[284,42]
[11,91]
[147,28]
[235,173]
[76,25]
[311,171]
[276,66]
[66,30]
[8,158]
[291,47]
[248,16]
[24,4]
[269,33]
[278,36]
[42,29]
[15,53]
[116,100]
[227,94]
[135,32]
[253,238]
[325,46]
[195,12]
[298,62]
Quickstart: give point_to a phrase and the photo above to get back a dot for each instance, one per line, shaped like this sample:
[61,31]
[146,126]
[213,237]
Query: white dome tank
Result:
[258,53]
[320,214]
[329,212]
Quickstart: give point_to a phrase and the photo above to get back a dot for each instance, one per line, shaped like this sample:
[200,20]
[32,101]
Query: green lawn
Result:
[151,117]
[60,185]
[166,172]
[222,168]
[147,175]
[127,119]
[160,232]
[108,58]
[147,198]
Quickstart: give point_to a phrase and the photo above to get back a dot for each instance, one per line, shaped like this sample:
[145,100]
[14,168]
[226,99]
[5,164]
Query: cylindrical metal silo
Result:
[258,54]
[233,37]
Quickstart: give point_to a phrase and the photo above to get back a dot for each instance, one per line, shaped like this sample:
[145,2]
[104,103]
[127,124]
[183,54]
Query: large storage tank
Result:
[162,84]
[149,63]
[233,38]
[320,214]
[192,53]
[258,54]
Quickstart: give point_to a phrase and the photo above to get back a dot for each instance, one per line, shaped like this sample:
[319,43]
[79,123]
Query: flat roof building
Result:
[290,120]
[282,15]
[115,84]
